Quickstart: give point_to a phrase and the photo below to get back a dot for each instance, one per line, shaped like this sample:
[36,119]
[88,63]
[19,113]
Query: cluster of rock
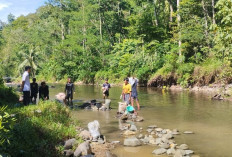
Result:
[94,144]
[162,138]
[94,105]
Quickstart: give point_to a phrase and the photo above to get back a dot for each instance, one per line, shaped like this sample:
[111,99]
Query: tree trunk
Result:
[205,11]
[178,22]
[100,19]
[84,28]
[155,14]
[213,11]
[171,10]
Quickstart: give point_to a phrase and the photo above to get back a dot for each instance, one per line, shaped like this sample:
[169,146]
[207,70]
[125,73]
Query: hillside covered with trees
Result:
[162,42]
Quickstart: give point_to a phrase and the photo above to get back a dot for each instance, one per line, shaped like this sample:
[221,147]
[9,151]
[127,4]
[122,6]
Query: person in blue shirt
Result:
[105,88]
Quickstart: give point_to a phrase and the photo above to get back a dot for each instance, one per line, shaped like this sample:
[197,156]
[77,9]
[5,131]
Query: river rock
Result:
[115,142]
[175,133]
[100,141]
[152,127]
[164,140]
[85,135]
[188,132]
[69,143]
[159,135]
[128,133]
[164,131]
[171,151]
[183,146]
[158,141]
[68,153]
[159,151]
[124,117]
[83,149]
[164,145]
[132,142]
[168,136]
[149,130]
[158,129]
[179,153]
[140,136]
[133,128]
[139,119]
[188,152]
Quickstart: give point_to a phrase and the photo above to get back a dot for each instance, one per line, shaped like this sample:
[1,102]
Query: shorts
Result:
[106,93]
[69,96]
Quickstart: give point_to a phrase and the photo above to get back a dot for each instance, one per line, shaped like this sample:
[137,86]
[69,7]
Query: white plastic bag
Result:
[94,129]
[107,103]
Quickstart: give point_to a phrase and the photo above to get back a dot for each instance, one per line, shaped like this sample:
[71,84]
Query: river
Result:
[210,120]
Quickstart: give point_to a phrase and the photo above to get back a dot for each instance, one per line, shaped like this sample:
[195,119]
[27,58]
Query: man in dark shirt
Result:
[43,91]
[106,87]
[34,90]
[69,90]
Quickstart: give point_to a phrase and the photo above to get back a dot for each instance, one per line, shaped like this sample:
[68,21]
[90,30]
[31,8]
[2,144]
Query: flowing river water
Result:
[210,120]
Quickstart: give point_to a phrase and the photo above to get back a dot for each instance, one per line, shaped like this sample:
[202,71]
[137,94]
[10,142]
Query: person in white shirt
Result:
[26,86]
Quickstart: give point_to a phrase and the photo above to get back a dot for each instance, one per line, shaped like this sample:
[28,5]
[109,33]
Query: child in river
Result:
[105,88]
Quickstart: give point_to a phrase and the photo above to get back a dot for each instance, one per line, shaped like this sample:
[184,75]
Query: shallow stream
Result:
[210,120]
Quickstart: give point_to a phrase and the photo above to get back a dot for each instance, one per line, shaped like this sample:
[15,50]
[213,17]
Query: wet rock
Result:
[159,135]
[171,151]
[68,152]
[139,119]
[164,145]
[152,127]
[158,141]
[69,143]
[141,128]
[115,142]
[149,130]
[159,151]
[175,130]
[124,117]
[133,128]
[218,97]
[85,135]
[140,136]
[175,133]
[146,139]
[83,149]
[134,116]
[179,153]
[158,129]
[128,133]
[132,142]
[168,136]
[100,141]
[183,146]
[188,132]
[164,140]
[163,131]
[188,152]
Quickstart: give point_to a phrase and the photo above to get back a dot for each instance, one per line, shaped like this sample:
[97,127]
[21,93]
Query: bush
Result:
[40,130]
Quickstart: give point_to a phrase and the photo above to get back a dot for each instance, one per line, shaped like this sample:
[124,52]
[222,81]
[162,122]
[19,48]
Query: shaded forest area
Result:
[162,42]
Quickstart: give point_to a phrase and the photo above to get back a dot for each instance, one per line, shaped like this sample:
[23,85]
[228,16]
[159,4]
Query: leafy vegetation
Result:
[39,130]
[92,40]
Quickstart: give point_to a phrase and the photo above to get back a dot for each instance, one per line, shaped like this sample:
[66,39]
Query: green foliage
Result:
[40,130]
[6,125]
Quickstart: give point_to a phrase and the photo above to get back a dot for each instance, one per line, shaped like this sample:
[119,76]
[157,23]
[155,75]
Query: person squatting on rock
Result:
[69,90]
[34,90]
[25,87]
[43,91]
[105,88]
[126,91]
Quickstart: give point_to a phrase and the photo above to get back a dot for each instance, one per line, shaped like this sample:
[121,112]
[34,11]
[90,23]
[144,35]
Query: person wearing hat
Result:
[126,91]
[105,88]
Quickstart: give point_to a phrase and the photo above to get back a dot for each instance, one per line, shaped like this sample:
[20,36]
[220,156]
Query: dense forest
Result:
[162,42]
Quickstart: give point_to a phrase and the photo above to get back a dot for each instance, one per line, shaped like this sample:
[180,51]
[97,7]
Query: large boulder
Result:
[132,142]
[68,153]
[69,143]
[83,149]
[133,128]
[85,135]
[159,151]
[94,129]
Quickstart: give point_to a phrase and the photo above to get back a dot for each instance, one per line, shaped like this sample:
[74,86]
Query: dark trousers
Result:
[26,97]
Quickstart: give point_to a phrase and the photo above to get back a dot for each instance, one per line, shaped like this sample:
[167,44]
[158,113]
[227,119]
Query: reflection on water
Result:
[210,120]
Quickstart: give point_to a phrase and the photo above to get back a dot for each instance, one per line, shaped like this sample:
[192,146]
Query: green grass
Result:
[40,134]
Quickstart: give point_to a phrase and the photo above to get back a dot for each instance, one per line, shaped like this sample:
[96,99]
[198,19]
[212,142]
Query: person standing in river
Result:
[134,93]
[69,90]
[43,91]
[34,90]
[106,87]
[126,91]
[25,87]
